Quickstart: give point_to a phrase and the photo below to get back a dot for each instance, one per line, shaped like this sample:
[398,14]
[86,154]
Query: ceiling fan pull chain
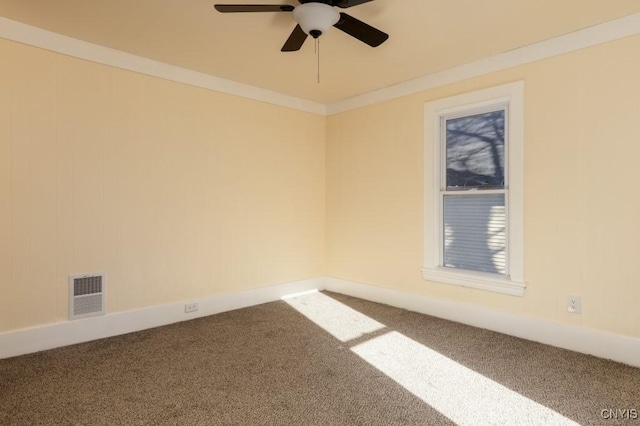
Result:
[318,54]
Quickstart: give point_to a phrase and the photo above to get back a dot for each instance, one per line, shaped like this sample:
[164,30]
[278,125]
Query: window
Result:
[473,190]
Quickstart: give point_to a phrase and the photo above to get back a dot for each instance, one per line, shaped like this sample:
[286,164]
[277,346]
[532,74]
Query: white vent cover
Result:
[86,295]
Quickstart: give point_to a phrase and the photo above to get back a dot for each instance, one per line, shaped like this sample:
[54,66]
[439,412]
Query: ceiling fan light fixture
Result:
[315,18]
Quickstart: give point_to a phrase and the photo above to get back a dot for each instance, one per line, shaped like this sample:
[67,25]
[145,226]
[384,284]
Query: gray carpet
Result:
[270,364]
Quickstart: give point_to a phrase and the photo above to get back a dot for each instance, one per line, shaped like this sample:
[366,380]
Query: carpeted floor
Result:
[270,364]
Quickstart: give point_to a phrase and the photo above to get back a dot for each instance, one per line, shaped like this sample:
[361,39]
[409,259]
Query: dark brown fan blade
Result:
[347,3]
[235,8]
[295,40]
[363,32]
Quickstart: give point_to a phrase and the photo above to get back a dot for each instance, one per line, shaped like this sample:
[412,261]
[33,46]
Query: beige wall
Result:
[582,211]
[178,192]
[174,192]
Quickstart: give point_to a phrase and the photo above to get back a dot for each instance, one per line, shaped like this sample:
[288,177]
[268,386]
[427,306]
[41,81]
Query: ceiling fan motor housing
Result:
[315,18]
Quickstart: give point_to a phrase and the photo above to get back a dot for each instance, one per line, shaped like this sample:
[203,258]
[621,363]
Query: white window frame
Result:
[511,95]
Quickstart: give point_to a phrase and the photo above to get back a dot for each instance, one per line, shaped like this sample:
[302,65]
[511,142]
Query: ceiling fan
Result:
[314,18]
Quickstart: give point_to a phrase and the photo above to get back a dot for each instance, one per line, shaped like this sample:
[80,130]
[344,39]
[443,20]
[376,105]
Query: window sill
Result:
[489,282]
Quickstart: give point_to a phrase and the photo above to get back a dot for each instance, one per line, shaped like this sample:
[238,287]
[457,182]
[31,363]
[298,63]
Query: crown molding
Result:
[591,36]
[37,37]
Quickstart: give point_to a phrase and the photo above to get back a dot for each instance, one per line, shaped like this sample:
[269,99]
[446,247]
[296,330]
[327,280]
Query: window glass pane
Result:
[475,151]
[475,232]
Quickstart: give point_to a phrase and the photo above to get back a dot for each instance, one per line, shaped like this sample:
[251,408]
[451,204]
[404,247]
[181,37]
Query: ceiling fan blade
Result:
[235,8]
[348,3]
[295,40]
[363,32]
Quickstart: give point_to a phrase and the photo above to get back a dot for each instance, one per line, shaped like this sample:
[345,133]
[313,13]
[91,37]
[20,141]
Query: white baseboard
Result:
[51,336]
[603,345]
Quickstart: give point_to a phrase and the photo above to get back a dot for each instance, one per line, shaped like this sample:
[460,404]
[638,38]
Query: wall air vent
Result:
[86,295]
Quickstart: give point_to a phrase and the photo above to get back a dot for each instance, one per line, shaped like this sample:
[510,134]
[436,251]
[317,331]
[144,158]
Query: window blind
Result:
[475,232]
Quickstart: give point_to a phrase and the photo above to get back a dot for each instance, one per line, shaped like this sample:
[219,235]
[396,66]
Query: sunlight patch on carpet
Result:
[461,394]
[337,319]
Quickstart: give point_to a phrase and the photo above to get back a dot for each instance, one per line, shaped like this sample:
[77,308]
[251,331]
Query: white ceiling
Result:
[426,36]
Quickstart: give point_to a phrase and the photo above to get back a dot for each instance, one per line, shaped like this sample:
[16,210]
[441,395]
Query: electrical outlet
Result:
[190,307]
[573,305]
